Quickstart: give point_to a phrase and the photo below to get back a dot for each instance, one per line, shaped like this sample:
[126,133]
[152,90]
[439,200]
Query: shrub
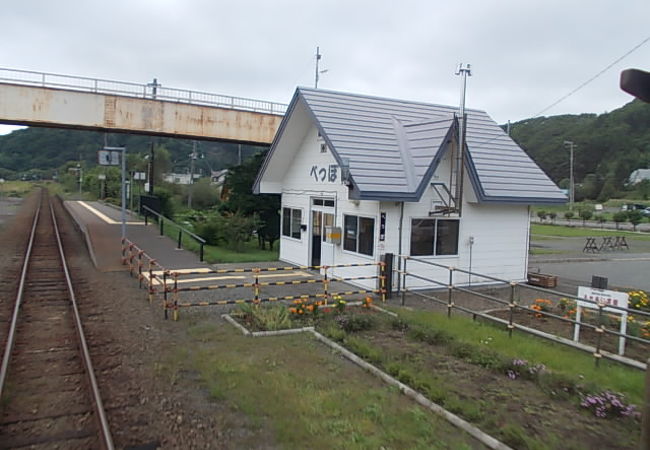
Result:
[356,322]
[271,318]
[568,215]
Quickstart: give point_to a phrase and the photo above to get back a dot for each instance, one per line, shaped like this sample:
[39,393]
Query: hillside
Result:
[50,148]
[609,146]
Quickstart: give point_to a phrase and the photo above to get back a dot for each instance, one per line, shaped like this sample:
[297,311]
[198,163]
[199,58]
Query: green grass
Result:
[562,231]
[15,188]
[213,254]
[546,251]
[306,395]
[560,359]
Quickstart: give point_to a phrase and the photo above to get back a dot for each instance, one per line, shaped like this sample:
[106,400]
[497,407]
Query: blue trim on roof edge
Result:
[276,139]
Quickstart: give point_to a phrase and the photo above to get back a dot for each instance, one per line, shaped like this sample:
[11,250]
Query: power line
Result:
[561,99]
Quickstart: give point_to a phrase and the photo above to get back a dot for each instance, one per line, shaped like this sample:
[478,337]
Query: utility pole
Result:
[571,146]
[239,155]
[151,170]
[191,187]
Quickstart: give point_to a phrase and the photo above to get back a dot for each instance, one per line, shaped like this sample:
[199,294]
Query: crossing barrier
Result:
[159,280]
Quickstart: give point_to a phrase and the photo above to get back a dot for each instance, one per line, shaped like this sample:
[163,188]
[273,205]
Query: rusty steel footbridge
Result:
[54,100]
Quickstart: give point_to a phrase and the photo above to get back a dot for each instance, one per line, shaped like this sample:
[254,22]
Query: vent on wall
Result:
[323,148]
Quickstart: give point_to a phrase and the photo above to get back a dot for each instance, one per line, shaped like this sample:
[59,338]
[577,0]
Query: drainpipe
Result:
[399,247]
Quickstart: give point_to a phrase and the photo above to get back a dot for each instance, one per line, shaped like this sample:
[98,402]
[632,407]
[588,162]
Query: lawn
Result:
[308,396]
[213,254]
[471,369]
[563,231]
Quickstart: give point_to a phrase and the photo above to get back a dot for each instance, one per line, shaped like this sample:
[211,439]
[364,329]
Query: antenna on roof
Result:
[318,72]
[464,70]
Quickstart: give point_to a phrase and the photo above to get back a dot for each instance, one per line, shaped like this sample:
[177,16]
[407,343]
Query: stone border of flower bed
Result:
[475,432]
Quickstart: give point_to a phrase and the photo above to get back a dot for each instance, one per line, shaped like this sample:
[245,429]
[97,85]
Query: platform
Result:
[101,226]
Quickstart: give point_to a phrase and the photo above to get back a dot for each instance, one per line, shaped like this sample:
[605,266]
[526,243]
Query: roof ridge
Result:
[390,99]
[405,153]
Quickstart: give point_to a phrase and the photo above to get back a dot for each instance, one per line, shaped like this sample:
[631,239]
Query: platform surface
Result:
[101,225]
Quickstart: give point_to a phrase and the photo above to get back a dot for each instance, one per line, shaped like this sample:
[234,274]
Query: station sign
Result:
[108,157]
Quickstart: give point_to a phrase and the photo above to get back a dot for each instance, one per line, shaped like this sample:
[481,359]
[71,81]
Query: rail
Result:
[152,91]
[100,414]
[512,304]
[181,230]
[107,440]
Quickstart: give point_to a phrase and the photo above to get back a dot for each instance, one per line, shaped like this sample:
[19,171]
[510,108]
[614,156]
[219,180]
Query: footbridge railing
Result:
[152,90]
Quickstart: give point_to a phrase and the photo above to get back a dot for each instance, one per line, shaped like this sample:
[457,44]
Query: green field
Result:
[563,231]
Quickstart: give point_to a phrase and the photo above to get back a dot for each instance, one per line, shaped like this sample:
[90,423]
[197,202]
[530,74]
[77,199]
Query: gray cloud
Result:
[525,55]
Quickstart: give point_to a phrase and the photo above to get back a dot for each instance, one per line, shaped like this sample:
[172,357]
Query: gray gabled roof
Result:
[394,146]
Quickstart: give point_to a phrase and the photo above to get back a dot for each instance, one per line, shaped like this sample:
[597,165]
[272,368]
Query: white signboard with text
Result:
[606,299]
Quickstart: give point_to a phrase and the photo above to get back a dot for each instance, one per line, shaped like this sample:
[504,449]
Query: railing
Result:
[161,222]
[152,91]
[512,304]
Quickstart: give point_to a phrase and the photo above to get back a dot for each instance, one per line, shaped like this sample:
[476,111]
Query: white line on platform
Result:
[104,217]
[158,274]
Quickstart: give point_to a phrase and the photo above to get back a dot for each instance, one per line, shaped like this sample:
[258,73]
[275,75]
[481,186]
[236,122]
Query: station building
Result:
[363,176]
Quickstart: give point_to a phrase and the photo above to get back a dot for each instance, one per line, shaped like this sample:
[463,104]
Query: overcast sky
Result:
[524,54]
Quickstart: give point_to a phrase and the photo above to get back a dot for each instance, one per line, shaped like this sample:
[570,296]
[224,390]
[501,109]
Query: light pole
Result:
[81,177]
[571,146]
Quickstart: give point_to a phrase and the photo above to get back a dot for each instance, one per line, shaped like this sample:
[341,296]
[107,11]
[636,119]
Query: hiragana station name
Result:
[327,174]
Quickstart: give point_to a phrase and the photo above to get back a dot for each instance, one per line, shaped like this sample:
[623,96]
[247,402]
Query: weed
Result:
[398,324]
[357,322]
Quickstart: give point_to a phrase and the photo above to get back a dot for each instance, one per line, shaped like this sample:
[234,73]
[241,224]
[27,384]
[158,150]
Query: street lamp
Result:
[571,146]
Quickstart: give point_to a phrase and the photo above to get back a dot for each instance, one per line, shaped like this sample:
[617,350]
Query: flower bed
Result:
[507,397]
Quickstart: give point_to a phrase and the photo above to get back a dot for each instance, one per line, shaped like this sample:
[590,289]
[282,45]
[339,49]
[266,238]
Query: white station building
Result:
[364,176]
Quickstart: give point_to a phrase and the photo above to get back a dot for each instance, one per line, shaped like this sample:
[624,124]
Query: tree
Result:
[585,214]
[601,219]
[204,194]
[634,217]
[568,215]
[239,185]
[552,215]
[541,214]
[619,217]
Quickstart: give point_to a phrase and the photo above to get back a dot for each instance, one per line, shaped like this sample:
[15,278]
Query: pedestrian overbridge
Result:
[51,100]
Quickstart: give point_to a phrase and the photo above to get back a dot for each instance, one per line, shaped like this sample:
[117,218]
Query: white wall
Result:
[500,231]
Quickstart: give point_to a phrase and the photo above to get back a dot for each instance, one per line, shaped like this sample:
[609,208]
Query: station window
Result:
[291,219]
[359,234]
[434,237]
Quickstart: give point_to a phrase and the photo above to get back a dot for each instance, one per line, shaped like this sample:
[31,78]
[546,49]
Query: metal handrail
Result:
[130,89]
[181,230]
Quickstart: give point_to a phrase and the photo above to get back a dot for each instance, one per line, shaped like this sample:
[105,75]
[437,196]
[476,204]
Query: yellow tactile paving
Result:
[104,217]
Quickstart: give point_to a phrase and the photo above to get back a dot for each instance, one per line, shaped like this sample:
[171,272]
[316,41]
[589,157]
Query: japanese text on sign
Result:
[327,174]
[604,297]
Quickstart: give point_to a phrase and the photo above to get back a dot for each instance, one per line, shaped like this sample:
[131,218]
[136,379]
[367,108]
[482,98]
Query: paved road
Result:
[625,271]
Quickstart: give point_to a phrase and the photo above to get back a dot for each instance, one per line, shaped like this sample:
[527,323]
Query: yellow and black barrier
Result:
[139,262]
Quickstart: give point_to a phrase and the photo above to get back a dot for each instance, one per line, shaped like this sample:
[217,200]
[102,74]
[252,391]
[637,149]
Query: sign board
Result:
[382,227]
[602,297]
[108,157]
[140,176]
[101,176]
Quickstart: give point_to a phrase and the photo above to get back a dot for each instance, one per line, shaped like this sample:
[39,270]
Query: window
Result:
[359,234]
[434,237]
[291,219]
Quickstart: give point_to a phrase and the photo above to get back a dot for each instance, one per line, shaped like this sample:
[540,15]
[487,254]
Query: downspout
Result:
[399,248]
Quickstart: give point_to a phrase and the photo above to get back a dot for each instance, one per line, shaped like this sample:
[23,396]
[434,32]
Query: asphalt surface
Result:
[565,258]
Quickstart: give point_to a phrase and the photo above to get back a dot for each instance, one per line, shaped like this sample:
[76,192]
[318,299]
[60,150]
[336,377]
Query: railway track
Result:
[48,392]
